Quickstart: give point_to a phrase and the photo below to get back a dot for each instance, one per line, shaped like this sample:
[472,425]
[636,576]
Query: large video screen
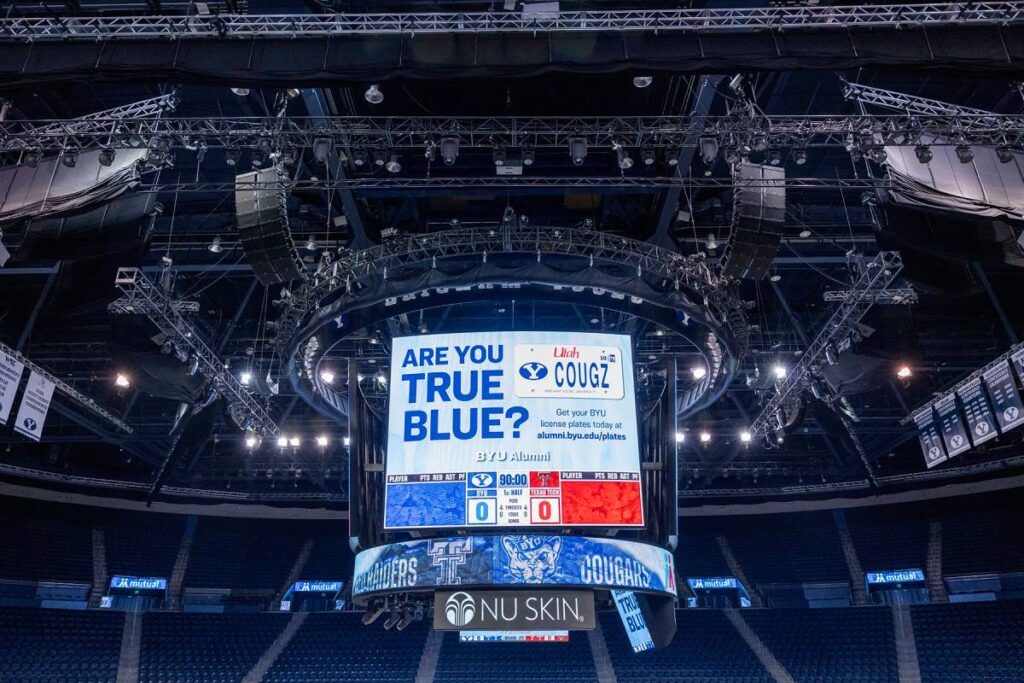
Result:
[512,429]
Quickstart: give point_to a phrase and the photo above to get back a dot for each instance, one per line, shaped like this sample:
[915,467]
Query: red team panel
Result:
[601,502]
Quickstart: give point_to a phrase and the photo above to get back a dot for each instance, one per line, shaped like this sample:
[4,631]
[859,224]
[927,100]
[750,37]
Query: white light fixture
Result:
[294,441]
[642,81]
[705,437]
[214,246]
[904,372]
[805,233]
[745,436]
[245,378]
[251,441]
[282,442]
[311,244]
[122,381]
[241,92]
[346,442]
[775,277]
[680,437]
[779,371]
[321,440]
[698,371]
[373,94]
[327,376]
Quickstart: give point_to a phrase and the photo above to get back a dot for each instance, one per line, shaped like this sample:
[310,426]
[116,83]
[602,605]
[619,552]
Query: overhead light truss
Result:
[909,104]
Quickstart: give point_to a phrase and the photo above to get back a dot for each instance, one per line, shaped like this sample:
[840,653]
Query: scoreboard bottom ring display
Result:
[511,561]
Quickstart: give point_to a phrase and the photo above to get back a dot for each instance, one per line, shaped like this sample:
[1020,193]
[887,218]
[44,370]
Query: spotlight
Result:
[251,441]
[577,150]
[800,156]
[708,145]
[712,242]
[449,150]
[745,436]
[327,376]
[346,442]
[775,277]
[622,156]
[698,371]
[529,156]
[282,442]
[245,378]
[831,356]
[232,156]
[647,156]
[321,440]
[405,622]
[904,372]
[499,156]
[106,157]
[214,247]
[780,435]
[294,441]
[774,157]
[258,158]
[69,158]
[311,244]
[964,153]
[1004,153]
[321,149]
[241,92]
[805,233]
[122,381]
[924,153]
[672,157]
[379,158]
[373,94]
[642,81]
[359,157]
[732,155]
[392,619]
[292,93]
[288,155]
[680,437]
[393,165]
[31,158]
[373,614]
[779,371]
[705,437]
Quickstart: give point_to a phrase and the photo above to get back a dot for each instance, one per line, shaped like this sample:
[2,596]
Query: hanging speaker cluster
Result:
[759,211]
[261,204]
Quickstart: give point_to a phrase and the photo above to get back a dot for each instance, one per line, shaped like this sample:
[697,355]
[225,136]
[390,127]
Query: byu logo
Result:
[1010,414]
[933,452]
[957,441]
[981,429]
[533,371]
[531,559]
[29,423]
[481,480]
[460,609]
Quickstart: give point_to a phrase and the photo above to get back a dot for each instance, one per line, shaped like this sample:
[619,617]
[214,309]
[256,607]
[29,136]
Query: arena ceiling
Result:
[56,288]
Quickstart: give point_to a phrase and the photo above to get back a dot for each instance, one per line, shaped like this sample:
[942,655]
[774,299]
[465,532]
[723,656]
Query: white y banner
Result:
[10,377]
[34,406]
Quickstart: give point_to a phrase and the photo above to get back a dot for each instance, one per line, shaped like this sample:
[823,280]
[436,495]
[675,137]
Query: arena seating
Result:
[830,645]
[59,646]
[140,545]
[891,536]
[337,648]
[698,553]
[54,541]
[331,558]
[244,554]
[516,662]
[707,649]
[183,647]
[982,534]
[981,641]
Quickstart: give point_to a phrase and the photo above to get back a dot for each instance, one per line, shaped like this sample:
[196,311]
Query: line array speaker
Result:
[759,211]
[263,226]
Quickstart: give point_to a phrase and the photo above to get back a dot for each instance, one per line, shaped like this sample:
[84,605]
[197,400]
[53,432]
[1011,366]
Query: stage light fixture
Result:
[708,145]
[379,158]
[258,158]
[449,149]
[327,376]
[732,155]
[122,381]
[779,371]
[529,156]
[924,153]
[69,158]
[775,277]
[359,157]
[712,242]
[800,156]
[288,155]
[405,621]
[294,441]
[241,92]
[904,372]
[394,164]
[745,436]
[311,244]
[321,149]
[214,247]
[282,442]
[623,159]
[106,157]
[964,153]
[577,150]
[373,94]
[705,437]
[499,156]
[774,156]
[245,378]
[680,437]
[672,157]
[831,355]
[642,81]
[346,442]
[1004,153]
[392,619]
[251,441]
[31,158]
[373,613]
[698,371]
[805,233]
[232,156]
[322,441]
[647,157]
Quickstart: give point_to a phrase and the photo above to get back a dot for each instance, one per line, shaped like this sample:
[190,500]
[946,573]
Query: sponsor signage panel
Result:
[317,586]
[954,434]
[928,435]
[514,560]
[518,610]
[513,636]
[35,404]
[715,583]
[895,576]
[512,429]
[1006,403]
[11,370]
[138,583]
[630,611]
[981,422]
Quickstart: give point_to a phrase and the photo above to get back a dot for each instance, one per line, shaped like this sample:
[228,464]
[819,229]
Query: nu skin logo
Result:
[460,609]
[533,371]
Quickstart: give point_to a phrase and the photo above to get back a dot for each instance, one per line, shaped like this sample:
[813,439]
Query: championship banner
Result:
[11,370]
[1006,403]
[35,404]
[954,433]
[510,561]
[928,435]
[981,423]
[1017,358]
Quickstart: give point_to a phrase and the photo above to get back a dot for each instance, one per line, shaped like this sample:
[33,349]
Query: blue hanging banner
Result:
[951,425]
[928,435]
[1006,403]
[981,422]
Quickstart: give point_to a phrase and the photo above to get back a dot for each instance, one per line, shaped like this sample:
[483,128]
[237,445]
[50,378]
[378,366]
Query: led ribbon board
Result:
[515,560]
[506,429]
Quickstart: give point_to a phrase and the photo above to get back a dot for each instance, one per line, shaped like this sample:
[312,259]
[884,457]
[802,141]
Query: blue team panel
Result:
[424,504]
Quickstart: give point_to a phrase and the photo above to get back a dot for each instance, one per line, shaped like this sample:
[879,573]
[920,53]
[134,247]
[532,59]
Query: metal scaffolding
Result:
[426,133]
[876,276]
[830,18]
[908,104]
[146,298]
[69,390]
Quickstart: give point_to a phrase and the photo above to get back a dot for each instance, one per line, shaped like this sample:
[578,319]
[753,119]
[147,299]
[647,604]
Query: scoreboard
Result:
[512,429]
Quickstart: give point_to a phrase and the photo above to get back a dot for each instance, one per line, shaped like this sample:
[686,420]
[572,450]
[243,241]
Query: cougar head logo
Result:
[531,559]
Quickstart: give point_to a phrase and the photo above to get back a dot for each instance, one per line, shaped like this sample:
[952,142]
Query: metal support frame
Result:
[907,104]
[69,390]
[876,276]
[150,300]
[143,109]
[229,26]
[895,296]
[419,133]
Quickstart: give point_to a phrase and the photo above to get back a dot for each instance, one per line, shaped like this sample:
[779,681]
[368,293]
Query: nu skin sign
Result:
[473,610]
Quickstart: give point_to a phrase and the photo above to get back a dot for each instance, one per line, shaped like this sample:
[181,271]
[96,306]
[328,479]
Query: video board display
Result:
[512,429]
